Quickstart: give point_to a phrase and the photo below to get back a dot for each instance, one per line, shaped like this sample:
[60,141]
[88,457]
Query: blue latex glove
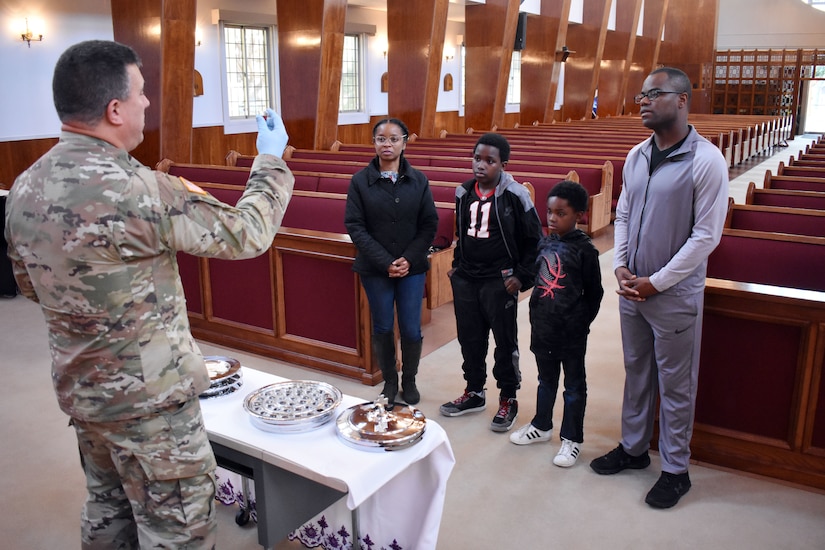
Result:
[272,136]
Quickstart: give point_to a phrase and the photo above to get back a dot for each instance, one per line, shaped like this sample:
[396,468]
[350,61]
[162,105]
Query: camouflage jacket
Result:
[92,237]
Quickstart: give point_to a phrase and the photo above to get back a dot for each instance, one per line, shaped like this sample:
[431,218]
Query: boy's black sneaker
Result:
[668,490]
[506,415]
[470,401]
[617,460]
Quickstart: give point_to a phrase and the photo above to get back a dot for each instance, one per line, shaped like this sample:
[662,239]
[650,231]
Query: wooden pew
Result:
[762,343]
[796,183]
[785,198]
[801,171]
[795,221]
[325,212]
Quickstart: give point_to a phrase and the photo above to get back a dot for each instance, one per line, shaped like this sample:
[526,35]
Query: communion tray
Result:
[225,375]
[292,406]
[371,427]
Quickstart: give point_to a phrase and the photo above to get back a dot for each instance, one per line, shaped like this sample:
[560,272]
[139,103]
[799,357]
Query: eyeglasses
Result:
[381,140]
[653,94]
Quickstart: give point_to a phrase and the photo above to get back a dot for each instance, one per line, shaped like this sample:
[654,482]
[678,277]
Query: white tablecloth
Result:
[399,494]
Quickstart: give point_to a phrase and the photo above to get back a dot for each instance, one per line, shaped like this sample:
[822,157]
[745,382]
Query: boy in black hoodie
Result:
[564,302]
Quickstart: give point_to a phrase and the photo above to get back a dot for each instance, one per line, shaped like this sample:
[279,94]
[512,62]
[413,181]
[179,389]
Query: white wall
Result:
[26,106]
[764,24]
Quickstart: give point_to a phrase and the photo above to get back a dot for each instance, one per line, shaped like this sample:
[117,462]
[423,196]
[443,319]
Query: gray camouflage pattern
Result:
[151,481]
[92,237]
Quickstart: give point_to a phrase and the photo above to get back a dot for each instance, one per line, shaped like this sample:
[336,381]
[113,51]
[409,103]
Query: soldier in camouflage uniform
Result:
[92,236]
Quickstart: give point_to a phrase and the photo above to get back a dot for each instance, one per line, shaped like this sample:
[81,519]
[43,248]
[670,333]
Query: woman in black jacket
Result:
[392,221]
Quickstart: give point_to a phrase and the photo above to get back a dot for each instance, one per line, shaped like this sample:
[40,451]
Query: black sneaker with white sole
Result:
[470,401]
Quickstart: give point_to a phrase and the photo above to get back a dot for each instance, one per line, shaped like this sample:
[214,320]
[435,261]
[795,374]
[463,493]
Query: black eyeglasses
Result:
[653,94]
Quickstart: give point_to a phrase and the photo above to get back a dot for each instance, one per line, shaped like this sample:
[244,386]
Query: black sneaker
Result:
[617,460]
[668,490]
[506,415]
[470,401]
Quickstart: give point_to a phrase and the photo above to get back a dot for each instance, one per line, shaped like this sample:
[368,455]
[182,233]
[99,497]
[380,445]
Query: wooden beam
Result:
[489,35]
[540,64]
[310,59]
[163,34]
[646,50]
[415,36]
[617,59]
[581,74]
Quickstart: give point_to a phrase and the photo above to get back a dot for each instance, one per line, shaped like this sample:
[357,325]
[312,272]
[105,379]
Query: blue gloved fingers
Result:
[262,122]
[272,136]
[271,118]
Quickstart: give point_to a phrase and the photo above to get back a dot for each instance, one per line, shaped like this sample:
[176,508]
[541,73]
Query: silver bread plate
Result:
[225,375]
[292,406]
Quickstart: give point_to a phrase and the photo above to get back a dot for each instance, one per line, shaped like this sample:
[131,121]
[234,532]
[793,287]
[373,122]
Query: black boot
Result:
[383,347]
[410,355]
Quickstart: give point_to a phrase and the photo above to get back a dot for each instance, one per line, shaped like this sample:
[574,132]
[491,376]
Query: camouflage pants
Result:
[151,481]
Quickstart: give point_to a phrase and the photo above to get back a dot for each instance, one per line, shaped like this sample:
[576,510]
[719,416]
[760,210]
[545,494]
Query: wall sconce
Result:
[449,53]
[565,53]
[28,36]
[385,54]
[198,37]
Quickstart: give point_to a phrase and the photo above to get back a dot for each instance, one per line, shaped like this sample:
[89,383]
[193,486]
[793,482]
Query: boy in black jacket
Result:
[498,230]
[564,302]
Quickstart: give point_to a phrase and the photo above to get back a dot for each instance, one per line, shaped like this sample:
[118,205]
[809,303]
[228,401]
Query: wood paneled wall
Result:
[163,34]
[310,48]
[415,34]
[489,36]
[540,70]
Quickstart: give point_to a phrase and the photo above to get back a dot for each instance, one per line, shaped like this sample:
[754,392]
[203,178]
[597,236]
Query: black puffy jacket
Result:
[387,221]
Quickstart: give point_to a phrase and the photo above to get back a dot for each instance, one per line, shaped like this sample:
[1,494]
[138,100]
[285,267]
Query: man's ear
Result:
[579,216]
[113,115]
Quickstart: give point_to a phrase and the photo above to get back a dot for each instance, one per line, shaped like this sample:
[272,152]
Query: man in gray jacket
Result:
[669,218]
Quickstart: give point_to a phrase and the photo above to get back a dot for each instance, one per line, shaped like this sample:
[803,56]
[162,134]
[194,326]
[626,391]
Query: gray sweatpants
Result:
[661,339]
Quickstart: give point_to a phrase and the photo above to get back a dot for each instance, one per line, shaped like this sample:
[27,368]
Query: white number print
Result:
[479,228]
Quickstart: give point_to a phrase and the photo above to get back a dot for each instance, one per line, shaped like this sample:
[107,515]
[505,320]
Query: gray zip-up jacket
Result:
[668,223]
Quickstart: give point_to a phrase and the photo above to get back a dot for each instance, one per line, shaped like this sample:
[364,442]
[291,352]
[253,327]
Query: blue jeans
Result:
[388,294]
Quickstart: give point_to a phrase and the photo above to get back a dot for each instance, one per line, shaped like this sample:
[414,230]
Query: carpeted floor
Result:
[500,496]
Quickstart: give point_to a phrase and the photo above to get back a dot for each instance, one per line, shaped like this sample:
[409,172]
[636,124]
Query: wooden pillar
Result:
[646,50]
[617,58]
[489,36]
[415,36]
[310,58]
[546,34]
[163,34]
[581,74]
[690,45]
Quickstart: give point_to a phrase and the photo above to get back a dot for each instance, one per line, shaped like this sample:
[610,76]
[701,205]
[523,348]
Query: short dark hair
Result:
[495,140]
[87,76]
[677,78]
[395,121]
[574,193]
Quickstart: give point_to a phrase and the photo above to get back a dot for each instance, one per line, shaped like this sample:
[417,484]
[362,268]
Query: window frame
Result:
[248,124]
[360,116]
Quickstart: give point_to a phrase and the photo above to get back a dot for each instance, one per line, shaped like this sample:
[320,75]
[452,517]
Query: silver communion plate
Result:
[370,427]
[220,367]
[225,374]
[292,406]
[223,388]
